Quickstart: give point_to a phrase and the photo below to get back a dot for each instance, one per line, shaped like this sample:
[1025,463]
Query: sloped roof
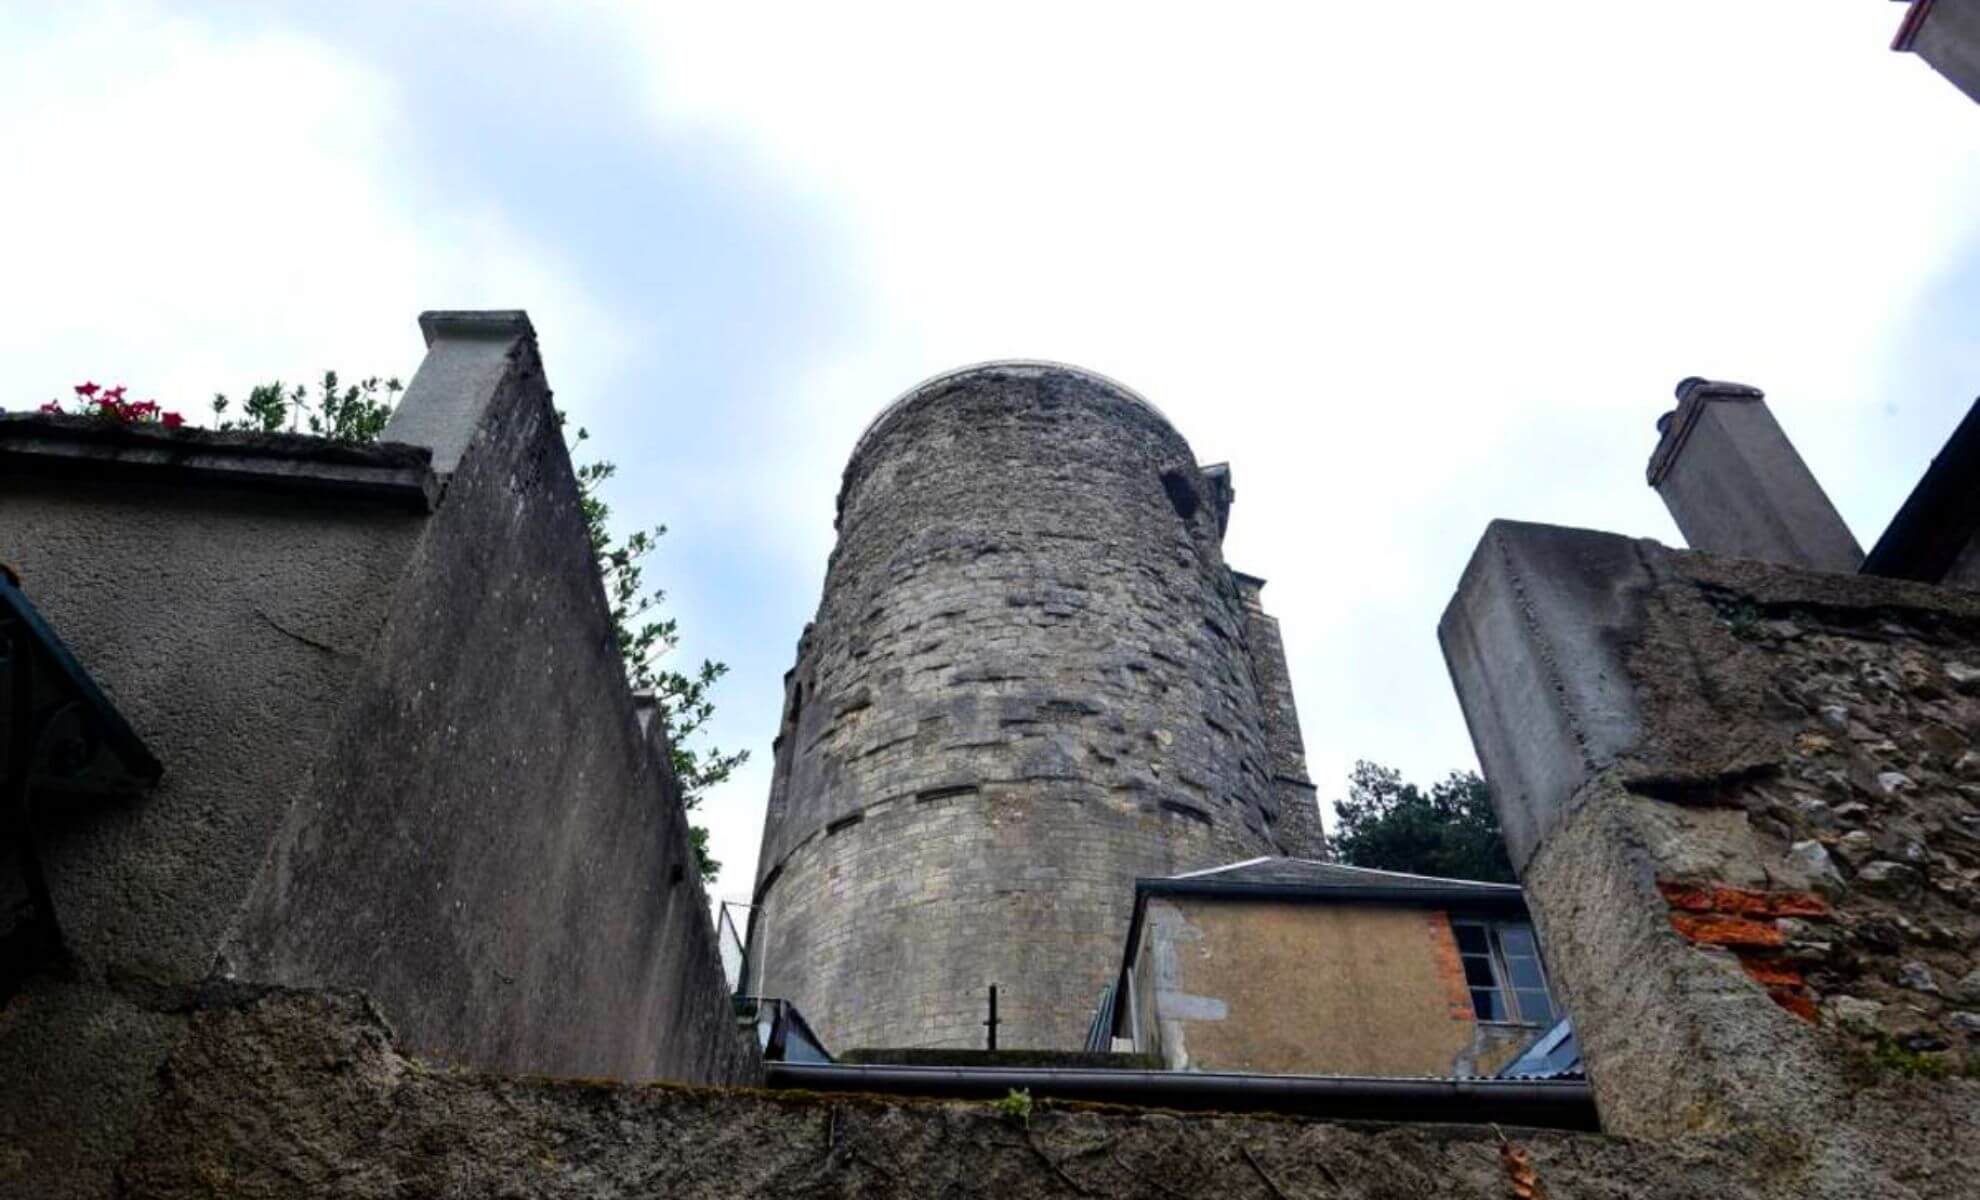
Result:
[1555,1054]
[1322,878]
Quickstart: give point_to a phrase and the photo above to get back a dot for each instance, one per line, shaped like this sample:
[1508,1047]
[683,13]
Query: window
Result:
[1502,970]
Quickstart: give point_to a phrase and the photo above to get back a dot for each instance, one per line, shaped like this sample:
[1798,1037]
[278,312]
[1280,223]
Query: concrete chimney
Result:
[1735,485]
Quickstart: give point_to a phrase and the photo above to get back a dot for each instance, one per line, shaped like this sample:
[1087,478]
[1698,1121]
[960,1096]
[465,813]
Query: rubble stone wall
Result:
[1745,804]
[1028,683]
[287,1096]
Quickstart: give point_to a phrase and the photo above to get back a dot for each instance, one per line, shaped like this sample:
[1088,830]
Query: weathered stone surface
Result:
[1031,679]
[294,1096]
[77,1066]
[1657,735]
[304,1096]
[494,847]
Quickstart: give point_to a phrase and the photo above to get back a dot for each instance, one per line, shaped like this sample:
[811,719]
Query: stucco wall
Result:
[399,751]
[228,627]
[1028,683]
[1322,989]
[493,849]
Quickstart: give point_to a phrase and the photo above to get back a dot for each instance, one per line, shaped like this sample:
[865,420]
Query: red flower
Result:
[53,406]
[115,393]
[86,389]
[172,420]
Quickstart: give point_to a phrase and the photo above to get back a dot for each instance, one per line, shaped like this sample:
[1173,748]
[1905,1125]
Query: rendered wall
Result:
[494,850]
[1743,803]
[1028,683]
[399,756]
[1316,989]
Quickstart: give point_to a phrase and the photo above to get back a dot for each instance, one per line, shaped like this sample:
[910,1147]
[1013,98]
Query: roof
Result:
[1314,879]
[1940,516]
[1555,1054]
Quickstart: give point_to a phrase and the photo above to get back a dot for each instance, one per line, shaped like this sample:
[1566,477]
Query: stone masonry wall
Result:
[1299,811]
[1742,799]
[1027,684]
[287,1096]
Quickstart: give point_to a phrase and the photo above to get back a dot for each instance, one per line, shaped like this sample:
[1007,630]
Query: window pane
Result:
[1516,939]
[1534,1008]
[1470,939]
[1525,972]
[1478,972]
[1488,1004]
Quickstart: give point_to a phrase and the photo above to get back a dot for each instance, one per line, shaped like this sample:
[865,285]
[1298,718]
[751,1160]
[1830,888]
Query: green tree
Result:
[1449,831]
[356,413]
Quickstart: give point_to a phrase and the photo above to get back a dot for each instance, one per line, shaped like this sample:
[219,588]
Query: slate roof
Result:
[1555,1054]
[1306,874]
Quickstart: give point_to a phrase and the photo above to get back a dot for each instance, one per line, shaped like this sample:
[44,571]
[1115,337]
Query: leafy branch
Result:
[356,413]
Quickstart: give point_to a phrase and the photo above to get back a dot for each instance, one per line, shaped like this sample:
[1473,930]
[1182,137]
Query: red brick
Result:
[1800,1003]
[1686,896]
[1744,902]
[1772,972]
[1717,929]
[1739,902]
[1796,904]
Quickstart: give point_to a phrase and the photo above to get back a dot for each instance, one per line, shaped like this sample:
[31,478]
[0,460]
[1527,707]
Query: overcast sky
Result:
[1406,267]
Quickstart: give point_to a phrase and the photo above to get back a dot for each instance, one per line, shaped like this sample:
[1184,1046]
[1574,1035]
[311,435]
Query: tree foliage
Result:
[1449,831]
[646,639]
[356,413]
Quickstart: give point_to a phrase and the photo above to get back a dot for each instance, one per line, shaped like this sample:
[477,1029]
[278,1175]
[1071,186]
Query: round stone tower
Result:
[1031,679]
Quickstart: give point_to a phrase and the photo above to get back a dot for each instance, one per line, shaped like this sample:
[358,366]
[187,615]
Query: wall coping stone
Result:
[88,451]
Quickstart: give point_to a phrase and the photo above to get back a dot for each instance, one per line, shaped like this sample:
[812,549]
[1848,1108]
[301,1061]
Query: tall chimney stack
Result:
[1735,485]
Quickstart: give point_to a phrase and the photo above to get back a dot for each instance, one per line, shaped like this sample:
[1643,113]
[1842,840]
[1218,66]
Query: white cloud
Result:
[191,210]
[1408,268]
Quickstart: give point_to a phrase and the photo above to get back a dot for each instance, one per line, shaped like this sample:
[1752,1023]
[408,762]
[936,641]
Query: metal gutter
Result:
[1543,1104]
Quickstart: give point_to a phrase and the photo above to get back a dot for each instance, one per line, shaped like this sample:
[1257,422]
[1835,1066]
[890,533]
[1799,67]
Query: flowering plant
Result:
[109,406]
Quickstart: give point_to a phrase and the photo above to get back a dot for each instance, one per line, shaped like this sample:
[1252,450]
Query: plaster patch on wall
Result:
[1174,1007]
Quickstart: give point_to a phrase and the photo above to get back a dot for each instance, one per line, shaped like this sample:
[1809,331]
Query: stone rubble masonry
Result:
[294,1096]
[1030,680]
[1744,800]
[400,755]
[1298,803]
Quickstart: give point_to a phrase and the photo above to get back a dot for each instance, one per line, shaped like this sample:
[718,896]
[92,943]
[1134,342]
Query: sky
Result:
[1406,267]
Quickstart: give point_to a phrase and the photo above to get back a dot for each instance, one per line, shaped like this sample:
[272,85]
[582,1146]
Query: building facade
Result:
[1290,966]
